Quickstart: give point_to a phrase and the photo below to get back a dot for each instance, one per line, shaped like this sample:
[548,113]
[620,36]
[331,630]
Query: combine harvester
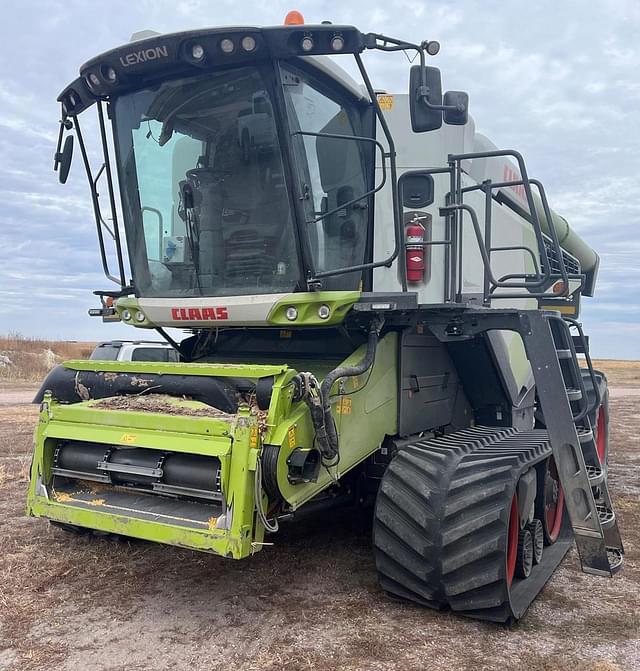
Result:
[380,307]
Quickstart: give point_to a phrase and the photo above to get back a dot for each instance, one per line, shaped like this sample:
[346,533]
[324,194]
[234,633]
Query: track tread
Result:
[453,493]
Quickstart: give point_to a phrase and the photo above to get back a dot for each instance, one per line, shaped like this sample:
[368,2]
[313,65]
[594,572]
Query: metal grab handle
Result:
[526,184]
[156,211]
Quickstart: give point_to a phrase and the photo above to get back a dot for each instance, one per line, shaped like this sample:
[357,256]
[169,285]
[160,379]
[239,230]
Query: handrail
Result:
[584,405]
[455,208]
[96,205]
[598,396]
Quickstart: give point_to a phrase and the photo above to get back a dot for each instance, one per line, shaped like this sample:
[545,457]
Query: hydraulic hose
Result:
[318,397]
[329,426]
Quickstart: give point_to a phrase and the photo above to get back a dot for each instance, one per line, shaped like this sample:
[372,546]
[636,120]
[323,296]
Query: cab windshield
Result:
[205,200]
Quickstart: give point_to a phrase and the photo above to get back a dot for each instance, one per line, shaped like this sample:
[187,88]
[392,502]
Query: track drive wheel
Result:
[512,540]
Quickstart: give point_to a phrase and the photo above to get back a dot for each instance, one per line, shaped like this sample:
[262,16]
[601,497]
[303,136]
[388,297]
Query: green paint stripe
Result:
[130,436]
[210,369]
[307,304]
[210,540]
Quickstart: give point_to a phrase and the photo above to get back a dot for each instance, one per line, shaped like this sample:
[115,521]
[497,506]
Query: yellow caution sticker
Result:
[292,437]
[344,406]
[253,437]
[128,438]
[385,102]
[62,497]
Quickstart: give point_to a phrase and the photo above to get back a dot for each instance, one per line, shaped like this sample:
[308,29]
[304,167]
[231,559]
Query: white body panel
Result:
[238,310]
[134,350]
[417,151]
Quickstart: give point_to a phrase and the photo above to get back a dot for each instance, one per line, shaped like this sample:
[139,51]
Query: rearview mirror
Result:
[423,115]
[62,159]
[456,111]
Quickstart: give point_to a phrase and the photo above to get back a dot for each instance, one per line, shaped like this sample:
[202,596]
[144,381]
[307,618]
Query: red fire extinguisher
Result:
[415,251]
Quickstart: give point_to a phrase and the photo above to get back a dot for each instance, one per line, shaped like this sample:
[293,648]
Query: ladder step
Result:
[560,392]
[585,435]
[616,559]
[574,394]
[595,475]
[606,515]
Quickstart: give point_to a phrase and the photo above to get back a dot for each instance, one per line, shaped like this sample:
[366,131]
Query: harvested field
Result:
[310,601]
[28,360]
[620,373]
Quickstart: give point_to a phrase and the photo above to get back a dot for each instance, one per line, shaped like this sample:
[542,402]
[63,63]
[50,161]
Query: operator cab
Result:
[246,162]
[243,168]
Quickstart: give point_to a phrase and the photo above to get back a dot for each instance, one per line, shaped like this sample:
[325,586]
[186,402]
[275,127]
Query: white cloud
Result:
[556,81]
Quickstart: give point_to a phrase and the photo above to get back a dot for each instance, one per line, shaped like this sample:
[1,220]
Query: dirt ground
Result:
[310,601]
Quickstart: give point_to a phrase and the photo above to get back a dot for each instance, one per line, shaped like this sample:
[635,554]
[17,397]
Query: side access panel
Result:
[431,393]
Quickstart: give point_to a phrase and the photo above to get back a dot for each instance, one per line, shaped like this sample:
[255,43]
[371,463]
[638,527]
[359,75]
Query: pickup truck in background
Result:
[135,350]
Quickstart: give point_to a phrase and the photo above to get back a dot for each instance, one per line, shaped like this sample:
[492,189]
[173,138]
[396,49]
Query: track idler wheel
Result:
[512,540]
[550,502]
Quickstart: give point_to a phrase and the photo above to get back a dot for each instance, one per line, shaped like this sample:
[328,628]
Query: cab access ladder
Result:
[582,475]
[564,407]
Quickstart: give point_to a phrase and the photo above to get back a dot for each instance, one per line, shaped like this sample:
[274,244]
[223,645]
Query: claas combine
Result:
[378,308]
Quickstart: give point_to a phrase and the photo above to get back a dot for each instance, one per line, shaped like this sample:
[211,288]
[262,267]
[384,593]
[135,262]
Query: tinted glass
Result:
[206,204]
[105,352]
[151,354]
[333,174]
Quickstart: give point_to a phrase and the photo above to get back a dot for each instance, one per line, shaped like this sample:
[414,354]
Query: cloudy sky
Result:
[559,81]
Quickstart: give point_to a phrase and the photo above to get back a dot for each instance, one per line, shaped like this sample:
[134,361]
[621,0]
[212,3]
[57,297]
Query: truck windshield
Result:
[205,200]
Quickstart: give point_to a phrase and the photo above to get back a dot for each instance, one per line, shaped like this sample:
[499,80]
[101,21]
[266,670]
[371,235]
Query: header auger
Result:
[380,307]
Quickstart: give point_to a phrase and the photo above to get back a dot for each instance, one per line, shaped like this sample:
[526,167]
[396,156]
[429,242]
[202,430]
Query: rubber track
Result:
[441,518]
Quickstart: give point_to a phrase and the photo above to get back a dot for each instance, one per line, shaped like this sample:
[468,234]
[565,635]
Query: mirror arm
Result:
[444,108]
[422,93]
[386,43]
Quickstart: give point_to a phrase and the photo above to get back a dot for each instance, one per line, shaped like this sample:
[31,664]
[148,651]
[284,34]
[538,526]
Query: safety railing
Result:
[547,256]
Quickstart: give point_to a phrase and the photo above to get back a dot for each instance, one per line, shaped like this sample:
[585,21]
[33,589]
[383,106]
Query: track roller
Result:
[524,563]
[537,536]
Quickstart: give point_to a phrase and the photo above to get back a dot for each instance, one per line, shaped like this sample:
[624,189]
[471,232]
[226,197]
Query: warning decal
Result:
[385,102]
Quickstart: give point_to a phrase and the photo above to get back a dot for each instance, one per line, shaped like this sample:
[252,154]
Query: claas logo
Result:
[199,314]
